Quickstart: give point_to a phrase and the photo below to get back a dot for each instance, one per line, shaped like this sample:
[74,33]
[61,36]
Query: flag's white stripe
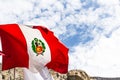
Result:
[28,75]
[40,60]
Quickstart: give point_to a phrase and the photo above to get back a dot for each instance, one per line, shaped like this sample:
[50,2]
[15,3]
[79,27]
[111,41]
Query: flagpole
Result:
[9,74]
[14,73]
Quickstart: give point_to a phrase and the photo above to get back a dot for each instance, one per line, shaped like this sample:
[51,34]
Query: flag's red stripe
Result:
[59,53]
[13,46]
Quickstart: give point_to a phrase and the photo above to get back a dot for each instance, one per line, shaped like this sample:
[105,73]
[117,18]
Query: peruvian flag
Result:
[33,47]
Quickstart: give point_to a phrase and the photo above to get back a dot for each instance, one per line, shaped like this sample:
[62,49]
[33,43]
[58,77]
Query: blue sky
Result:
[89,28]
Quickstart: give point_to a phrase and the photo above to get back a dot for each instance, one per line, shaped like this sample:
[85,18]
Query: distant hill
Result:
[71,75]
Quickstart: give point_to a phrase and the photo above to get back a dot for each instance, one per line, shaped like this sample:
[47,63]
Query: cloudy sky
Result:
[89,28]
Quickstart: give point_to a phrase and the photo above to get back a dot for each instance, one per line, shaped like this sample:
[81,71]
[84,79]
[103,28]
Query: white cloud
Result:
[103,55]
[16,7]
[76,4]
[108,2]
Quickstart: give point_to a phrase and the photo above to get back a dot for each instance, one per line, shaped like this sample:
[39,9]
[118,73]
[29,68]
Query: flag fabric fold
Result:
[1,53]
[33,47]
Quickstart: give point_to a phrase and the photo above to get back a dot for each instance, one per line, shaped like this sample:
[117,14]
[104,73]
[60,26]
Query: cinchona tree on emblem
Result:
[38,46]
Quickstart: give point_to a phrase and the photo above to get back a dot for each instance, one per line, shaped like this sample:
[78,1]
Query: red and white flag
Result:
[33,47]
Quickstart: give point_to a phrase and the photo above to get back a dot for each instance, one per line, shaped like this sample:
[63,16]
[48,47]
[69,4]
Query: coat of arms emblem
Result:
[38,46]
